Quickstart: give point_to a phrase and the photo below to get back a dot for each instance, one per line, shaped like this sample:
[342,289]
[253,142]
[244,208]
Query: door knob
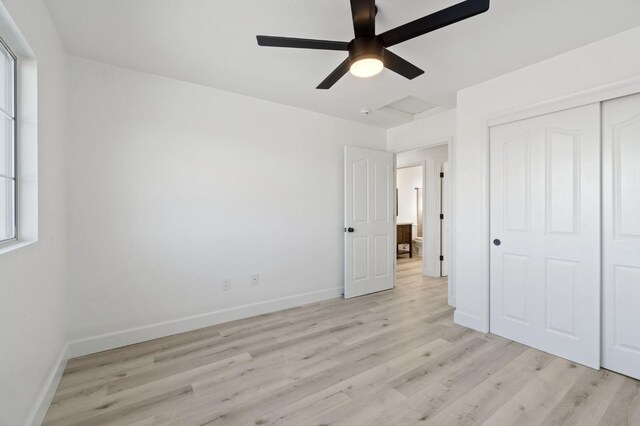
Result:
[349,229]
[496,242]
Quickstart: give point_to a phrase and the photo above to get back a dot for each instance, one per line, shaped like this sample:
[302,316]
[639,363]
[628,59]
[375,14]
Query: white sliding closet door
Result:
[545,233]
[621,235]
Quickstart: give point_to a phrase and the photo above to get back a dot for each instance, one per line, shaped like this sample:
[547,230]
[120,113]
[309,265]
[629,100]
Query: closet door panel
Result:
[621,235]
[545,233]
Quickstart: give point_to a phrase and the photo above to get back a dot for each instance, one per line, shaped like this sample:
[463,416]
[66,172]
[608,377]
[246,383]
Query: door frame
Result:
[424,215]
[586,97]
[424,203]
[438,169]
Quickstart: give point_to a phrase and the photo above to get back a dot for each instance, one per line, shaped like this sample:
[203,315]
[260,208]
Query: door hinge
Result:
[441,258]
[441,174]
[441,216]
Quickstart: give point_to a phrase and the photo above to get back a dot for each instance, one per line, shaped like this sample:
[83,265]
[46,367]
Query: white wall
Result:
[407,180]
[428,158]
[174,186]
[428,131]
[600,64]
[33,278]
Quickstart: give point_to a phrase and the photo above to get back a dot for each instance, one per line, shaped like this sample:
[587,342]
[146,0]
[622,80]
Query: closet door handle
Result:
[349,229]
[497,242]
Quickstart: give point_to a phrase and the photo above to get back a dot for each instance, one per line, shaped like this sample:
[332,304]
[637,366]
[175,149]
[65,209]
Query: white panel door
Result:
[621,235]
[545,233]
[369,221]
[444,209]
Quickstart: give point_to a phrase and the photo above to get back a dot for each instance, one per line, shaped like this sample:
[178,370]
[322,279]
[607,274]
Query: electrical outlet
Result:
[226,283]
[255,279]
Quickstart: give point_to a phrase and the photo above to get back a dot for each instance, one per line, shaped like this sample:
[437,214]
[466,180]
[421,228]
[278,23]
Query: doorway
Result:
[430,196]
[409,211]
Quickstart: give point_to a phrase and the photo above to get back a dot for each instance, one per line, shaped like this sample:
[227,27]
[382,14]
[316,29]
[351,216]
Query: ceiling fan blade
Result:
[301,43]
[335,75]
[398,65]
[448,16]
[364,17]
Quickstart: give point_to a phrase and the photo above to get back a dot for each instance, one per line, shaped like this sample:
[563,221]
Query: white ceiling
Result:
[212,42]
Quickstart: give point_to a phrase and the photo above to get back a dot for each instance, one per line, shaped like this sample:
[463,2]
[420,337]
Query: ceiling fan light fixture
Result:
[366,67]
[368,51]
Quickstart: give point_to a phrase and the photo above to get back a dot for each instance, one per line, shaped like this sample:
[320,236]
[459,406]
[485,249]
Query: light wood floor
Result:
[392,358]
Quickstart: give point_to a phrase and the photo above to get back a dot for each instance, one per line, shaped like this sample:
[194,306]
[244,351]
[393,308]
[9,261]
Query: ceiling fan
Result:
[368,53]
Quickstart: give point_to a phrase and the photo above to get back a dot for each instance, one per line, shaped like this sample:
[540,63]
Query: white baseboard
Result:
[39,411]
[432,272]
[451,301]
[470,321]
[117,339]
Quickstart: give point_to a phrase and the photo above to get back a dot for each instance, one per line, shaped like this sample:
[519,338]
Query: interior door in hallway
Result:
[621,235]
[369,221]
[545,233]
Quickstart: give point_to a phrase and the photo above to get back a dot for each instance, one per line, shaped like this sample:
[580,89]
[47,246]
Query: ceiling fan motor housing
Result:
[368,53]
[364,48]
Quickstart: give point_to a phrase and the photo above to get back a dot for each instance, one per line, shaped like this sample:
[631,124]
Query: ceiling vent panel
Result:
[411,105]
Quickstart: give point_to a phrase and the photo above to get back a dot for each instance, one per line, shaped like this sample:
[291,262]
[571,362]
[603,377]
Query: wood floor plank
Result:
[588,399]
[625,406]
[447,385]
[122,411]
[477,405]
[390,358]
[536,399]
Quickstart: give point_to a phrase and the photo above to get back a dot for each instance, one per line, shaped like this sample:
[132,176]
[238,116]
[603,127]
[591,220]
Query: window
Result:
[7,145]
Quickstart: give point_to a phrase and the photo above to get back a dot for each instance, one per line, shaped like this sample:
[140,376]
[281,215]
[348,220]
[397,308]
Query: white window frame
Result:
[13,115]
